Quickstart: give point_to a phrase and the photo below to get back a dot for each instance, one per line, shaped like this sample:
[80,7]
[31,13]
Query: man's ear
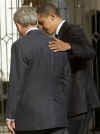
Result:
[18,25]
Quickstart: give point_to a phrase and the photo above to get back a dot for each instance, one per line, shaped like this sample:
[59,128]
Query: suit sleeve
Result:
[81,46]
[16,79]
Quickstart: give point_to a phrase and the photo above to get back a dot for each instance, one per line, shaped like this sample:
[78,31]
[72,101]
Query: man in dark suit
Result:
[40,80]
[80,53]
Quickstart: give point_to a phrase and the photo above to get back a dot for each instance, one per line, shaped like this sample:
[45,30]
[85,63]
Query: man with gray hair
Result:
[38,95]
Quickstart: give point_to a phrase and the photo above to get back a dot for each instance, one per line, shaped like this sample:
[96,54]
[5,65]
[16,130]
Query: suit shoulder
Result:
[20,42]
[15,44]
[35,36]
[72,27]
[76,32]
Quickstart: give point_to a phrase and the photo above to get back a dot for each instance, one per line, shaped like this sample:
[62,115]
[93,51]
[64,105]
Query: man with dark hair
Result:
[40,80]
[72,39]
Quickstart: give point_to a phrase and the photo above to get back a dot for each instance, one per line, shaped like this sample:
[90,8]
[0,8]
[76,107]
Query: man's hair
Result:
[25,16]
[46,9]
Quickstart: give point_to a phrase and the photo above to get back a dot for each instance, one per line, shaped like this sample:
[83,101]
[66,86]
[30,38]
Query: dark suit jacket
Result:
[39,84]
[81,54]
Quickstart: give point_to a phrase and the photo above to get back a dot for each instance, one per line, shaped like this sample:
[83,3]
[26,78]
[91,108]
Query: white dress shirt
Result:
[59,27]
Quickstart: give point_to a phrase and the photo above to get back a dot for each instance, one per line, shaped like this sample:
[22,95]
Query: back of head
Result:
[25,16]
[47,9]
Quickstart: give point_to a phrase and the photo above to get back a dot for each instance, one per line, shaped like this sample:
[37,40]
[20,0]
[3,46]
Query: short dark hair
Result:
[47,8]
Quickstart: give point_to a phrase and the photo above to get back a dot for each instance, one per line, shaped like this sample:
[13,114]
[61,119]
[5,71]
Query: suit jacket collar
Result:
[31,29]
[59,27]
[64,27]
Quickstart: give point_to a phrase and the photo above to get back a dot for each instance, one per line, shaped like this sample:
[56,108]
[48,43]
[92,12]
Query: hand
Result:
[11,125]
[58,45]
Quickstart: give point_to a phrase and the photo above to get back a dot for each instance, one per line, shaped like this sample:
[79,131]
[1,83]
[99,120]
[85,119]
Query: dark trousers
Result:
[79,124]
[48,131]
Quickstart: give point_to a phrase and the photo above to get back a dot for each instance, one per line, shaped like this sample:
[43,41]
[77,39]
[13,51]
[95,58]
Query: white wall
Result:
[8,35]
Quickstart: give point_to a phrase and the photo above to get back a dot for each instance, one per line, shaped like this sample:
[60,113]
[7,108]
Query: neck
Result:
[29,27]
[58,21]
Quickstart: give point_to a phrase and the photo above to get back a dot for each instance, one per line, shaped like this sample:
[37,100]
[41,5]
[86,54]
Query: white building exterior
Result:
[8,35]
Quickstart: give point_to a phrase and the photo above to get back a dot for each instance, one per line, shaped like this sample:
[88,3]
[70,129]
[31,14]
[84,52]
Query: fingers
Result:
[54,47]
[55,41]
[52,42]
[59,45]
[11,126]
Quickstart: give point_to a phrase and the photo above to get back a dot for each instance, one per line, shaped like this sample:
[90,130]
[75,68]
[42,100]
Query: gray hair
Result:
[25,16]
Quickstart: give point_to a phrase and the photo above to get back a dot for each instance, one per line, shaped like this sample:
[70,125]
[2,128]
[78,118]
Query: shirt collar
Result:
[59,26]
[31,29]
